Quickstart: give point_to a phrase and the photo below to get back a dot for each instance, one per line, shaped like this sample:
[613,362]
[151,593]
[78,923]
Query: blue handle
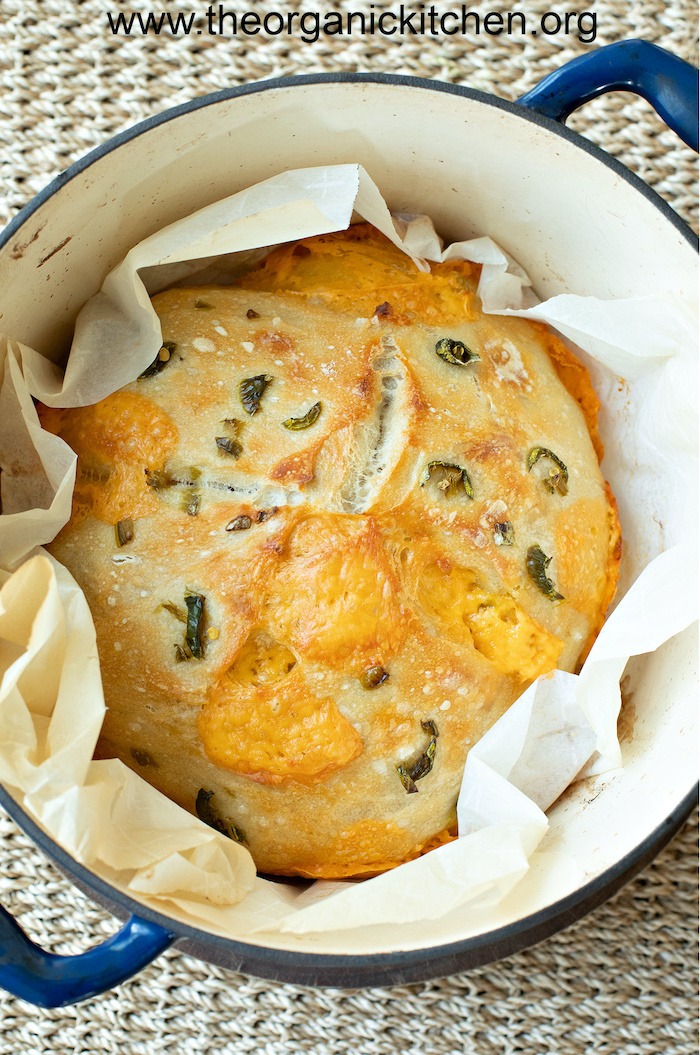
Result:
[49,980]
[664,80]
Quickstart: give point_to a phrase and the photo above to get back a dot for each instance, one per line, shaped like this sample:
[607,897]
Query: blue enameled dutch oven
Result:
[577,220]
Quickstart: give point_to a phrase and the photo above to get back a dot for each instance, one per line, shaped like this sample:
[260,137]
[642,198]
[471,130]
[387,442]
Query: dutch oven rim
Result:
[302,80]
[421,964]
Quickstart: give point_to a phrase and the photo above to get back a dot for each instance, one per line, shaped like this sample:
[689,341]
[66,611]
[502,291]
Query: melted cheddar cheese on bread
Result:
[328,538]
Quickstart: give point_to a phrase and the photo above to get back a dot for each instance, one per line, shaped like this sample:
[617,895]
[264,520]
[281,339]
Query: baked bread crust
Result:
[308,601]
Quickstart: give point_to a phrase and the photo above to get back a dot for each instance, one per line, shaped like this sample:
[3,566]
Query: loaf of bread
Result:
[327,539]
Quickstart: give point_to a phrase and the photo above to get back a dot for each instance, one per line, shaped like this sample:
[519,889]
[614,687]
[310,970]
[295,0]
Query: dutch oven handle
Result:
[664,80]
[49,980]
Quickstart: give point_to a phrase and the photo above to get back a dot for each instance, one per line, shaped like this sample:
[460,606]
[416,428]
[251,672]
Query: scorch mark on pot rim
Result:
[55,250]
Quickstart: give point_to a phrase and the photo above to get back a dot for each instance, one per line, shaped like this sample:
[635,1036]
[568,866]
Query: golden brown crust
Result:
[575,379]
[356,594]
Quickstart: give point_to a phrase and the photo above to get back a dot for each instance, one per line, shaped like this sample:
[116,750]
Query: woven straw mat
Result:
[620,982]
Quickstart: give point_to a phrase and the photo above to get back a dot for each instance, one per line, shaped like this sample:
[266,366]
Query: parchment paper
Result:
[51,702]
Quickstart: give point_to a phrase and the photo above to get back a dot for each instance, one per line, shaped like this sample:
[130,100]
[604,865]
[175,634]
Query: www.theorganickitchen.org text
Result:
[405,20]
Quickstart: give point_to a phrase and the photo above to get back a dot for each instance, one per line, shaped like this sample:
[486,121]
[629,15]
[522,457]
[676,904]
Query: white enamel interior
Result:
[568,218]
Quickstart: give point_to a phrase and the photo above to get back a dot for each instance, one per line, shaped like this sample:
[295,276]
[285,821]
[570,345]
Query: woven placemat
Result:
[621,982]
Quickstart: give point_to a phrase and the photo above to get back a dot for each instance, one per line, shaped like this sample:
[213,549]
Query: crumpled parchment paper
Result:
[563,726]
